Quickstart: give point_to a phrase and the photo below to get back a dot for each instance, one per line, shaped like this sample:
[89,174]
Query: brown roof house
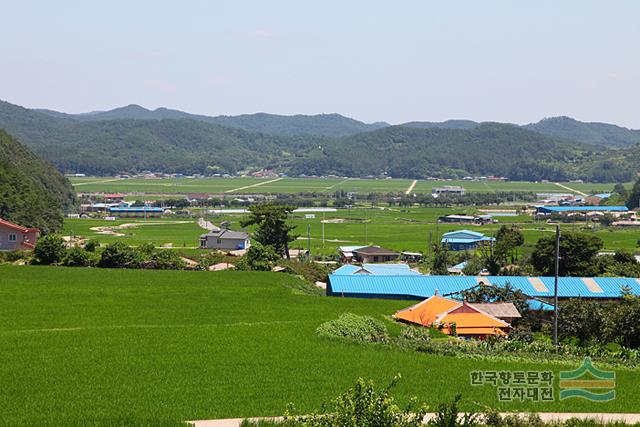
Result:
[371,254]
[15,238]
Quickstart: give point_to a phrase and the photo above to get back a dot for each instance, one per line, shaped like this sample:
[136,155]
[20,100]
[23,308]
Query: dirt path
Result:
[97,182]
[545,416]
[410,189]
[253,185]
[337,183]
[111,229]
[570,189]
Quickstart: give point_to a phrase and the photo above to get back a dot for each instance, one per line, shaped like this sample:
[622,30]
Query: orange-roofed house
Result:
[15,238]
[443,313]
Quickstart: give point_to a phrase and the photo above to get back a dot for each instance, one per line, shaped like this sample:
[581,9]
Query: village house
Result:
[452,190]
[14,237]
[463,240]
[225,240]
[460,318]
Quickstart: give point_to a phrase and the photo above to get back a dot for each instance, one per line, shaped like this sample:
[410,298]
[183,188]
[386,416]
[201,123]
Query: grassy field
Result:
[160,187]
[95,347]
[400,229]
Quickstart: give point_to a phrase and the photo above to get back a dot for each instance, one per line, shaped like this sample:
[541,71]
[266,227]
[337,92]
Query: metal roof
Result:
[549,209]
[136,209]
[419,286]
[377,269]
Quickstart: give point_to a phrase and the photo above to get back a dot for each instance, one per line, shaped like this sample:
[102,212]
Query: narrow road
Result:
[410,189]
[545,416]
[253,185]
[97,182]
[570,189]
[336,184]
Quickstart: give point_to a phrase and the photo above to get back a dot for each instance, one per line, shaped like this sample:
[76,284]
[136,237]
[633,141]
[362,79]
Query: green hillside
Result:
[333,125]
[32,192]
[489,148]
[591,133]
[171,141]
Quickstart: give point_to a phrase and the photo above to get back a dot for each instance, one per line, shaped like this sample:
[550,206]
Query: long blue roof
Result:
[419,286]
[377,269]
[136,209]
[549,209]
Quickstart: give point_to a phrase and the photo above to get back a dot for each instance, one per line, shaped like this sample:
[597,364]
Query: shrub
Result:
[259,257]
[78,257]
[362,406]
[354,328]
[118,255]
[49,249]
[413,336]
[163,259]
[91,245]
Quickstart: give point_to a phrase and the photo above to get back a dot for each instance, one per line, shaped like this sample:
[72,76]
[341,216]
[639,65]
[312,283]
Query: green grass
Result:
[396,228]
[90,346]
[159,188]
[180,232]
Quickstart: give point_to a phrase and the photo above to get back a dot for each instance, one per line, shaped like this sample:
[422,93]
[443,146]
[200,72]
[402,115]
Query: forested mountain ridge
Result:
[488,149]
[415,150]
[336,125]
[591,133]
[332,125]
[32,192]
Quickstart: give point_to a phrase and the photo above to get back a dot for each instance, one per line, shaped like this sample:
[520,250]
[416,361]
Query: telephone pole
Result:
[555,288]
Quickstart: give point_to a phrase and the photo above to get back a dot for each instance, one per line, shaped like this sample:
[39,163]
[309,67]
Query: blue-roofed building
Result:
[579,209]
[137,211]
[377,269]
[463,240]
[420,286]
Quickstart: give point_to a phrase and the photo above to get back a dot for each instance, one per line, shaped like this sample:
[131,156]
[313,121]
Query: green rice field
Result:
[400,229]
[236,185]
[106,347]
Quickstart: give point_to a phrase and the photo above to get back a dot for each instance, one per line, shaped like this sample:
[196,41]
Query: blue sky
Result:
[397,61]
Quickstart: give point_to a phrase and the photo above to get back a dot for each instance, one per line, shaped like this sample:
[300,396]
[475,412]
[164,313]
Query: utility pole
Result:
[323,229]
[309,240]
[555,288]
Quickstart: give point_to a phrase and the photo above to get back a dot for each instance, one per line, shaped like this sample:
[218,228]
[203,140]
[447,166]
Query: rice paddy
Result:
[130,347]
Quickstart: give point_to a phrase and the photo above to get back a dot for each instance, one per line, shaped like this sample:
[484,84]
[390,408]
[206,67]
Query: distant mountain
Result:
[106,147]
[591,133]
[333,125]
[449,124]
[134,139]
[32,192]
[487,149]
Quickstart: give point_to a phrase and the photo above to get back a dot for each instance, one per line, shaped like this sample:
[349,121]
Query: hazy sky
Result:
[371,60]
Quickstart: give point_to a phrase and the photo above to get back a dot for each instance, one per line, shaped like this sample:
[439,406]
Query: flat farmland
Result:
[401,229]
[236,185]
[104,347]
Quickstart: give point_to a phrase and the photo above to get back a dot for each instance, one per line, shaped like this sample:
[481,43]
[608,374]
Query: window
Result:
[13,237]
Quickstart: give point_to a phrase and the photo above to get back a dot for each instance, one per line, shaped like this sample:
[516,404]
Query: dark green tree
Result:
[508,240]
[272,227]
[49,249]
[260,257]
[633,202]
[577,254]
[581,319]
[440,260]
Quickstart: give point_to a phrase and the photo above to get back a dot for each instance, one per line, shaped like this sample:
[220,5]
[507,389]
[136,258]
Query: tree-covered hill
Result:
[32,192]
[421,149]
[332,125]
[603,134]
[488,149]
